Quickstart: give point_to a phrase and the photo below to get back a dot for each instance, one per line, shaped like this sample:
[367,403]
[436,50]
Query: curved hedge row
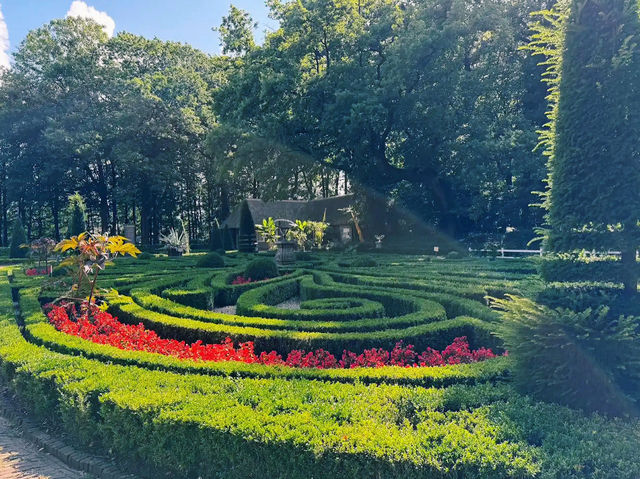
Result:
[407,317]
[183,419]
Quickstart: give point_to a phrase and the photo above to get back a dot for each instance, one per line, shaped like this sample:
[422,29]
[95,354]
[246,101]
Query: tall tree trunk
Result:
[145,223]
[5,219]
[114,203]
[55,212]
[225,209]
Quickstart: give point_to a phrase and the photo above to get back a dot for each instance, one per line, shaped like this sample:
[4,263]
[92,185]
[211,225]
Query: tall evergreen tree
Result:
[593,196]
[77,214]
[227,239]
[18,238]
[215,239]
[247,234]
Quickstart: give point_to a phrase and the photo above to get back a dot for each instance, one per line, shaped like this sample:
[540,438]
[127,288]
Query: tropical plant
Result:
[92,254]
[299,233]
[317,230]
[175,242]
[269,232]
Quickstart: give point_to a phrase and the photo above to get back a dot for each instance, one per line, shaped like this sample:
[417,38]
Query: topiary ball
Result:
[59,271]
[305,256]
[210,260]
[261,268]
[364,262]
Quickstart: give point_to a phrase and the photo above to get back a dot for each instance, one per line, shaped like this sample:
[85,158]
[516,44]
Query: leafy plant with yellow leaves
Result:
[92,253]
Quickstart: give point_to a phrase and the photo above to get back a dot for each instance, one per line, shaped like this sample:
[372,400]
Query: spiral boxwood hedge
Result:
[163,416]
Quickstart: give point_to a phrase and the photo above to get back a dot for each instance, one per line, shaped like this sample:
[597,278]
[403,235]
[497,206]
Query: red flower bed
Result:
[38,271]
[241,280]
[102,328]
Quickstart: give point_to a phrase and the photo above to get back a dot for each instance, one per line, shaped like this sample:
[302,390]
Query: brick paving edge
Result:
[71,457]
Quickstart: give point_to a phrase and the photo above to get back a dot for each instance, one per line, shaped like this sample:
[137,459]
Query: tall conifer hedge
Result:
[593,196]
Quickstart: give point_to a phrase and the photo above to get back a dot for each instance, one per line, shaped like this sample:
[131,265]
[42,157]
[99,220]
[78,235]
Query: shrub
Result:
[453,255]
[215,239]
[305,256]
[247,234]
[364,262]
[210,260]
[18,238]
[581,296]
[59,271]
[570,269]
[261,268]
[582,360]
[227,239]
[145,255]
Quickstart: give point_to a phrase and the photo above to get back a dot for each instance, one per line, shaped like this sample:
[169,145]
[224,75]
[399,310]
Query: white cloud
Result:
[4,42]
[82,10]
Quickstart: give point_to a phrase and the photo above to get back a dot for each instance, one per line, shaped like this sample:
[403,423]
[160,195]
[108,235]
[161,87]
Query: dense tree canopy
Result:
[430,104]
[423,101]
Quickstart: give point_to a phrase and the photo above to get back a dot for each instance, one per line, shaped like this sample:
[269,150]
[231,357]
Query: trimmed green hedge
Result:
[574,270]
[182,419]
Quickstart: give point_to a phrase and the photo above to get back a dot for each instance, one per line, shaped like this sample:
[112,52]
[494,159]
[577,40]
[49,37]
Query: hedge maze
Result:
[161,415]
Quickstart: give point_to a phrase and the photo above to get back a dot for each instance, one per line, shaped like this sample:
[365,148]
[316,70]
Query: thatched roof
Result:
[293,210]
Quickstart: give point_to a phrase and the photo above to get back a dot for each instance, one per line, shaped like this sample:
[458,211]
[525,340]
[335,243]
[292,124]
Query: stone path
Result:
[20,459]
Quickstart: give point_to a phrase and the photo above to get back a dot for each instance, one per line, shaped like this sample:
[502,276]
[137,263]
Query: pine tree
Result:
[77,215]
[215,239]
[593,196]
[227,239]
[247,234]
[18,238]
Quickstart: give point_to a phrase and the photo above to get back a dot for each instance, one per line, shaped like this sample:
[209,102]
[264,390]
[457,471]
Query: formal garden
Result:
[173,299]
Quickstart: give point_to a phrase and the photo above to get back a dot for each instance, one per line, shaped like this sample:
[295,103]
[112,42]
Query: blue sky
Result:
[188,21]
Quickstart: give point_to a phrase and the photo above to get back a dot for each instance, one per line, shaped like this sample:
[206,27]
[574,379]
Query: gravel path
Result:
[291,303]
[223,310]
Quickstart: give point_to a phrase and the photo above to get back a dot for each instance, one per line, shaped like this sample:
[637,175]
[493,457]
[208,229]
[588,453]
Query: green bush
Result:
[59,271]
[261,268]
[453,255]
[581,296]
[145,256]
[210,260]
[18,238]
[583,360]
[364,262]
[305,256]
